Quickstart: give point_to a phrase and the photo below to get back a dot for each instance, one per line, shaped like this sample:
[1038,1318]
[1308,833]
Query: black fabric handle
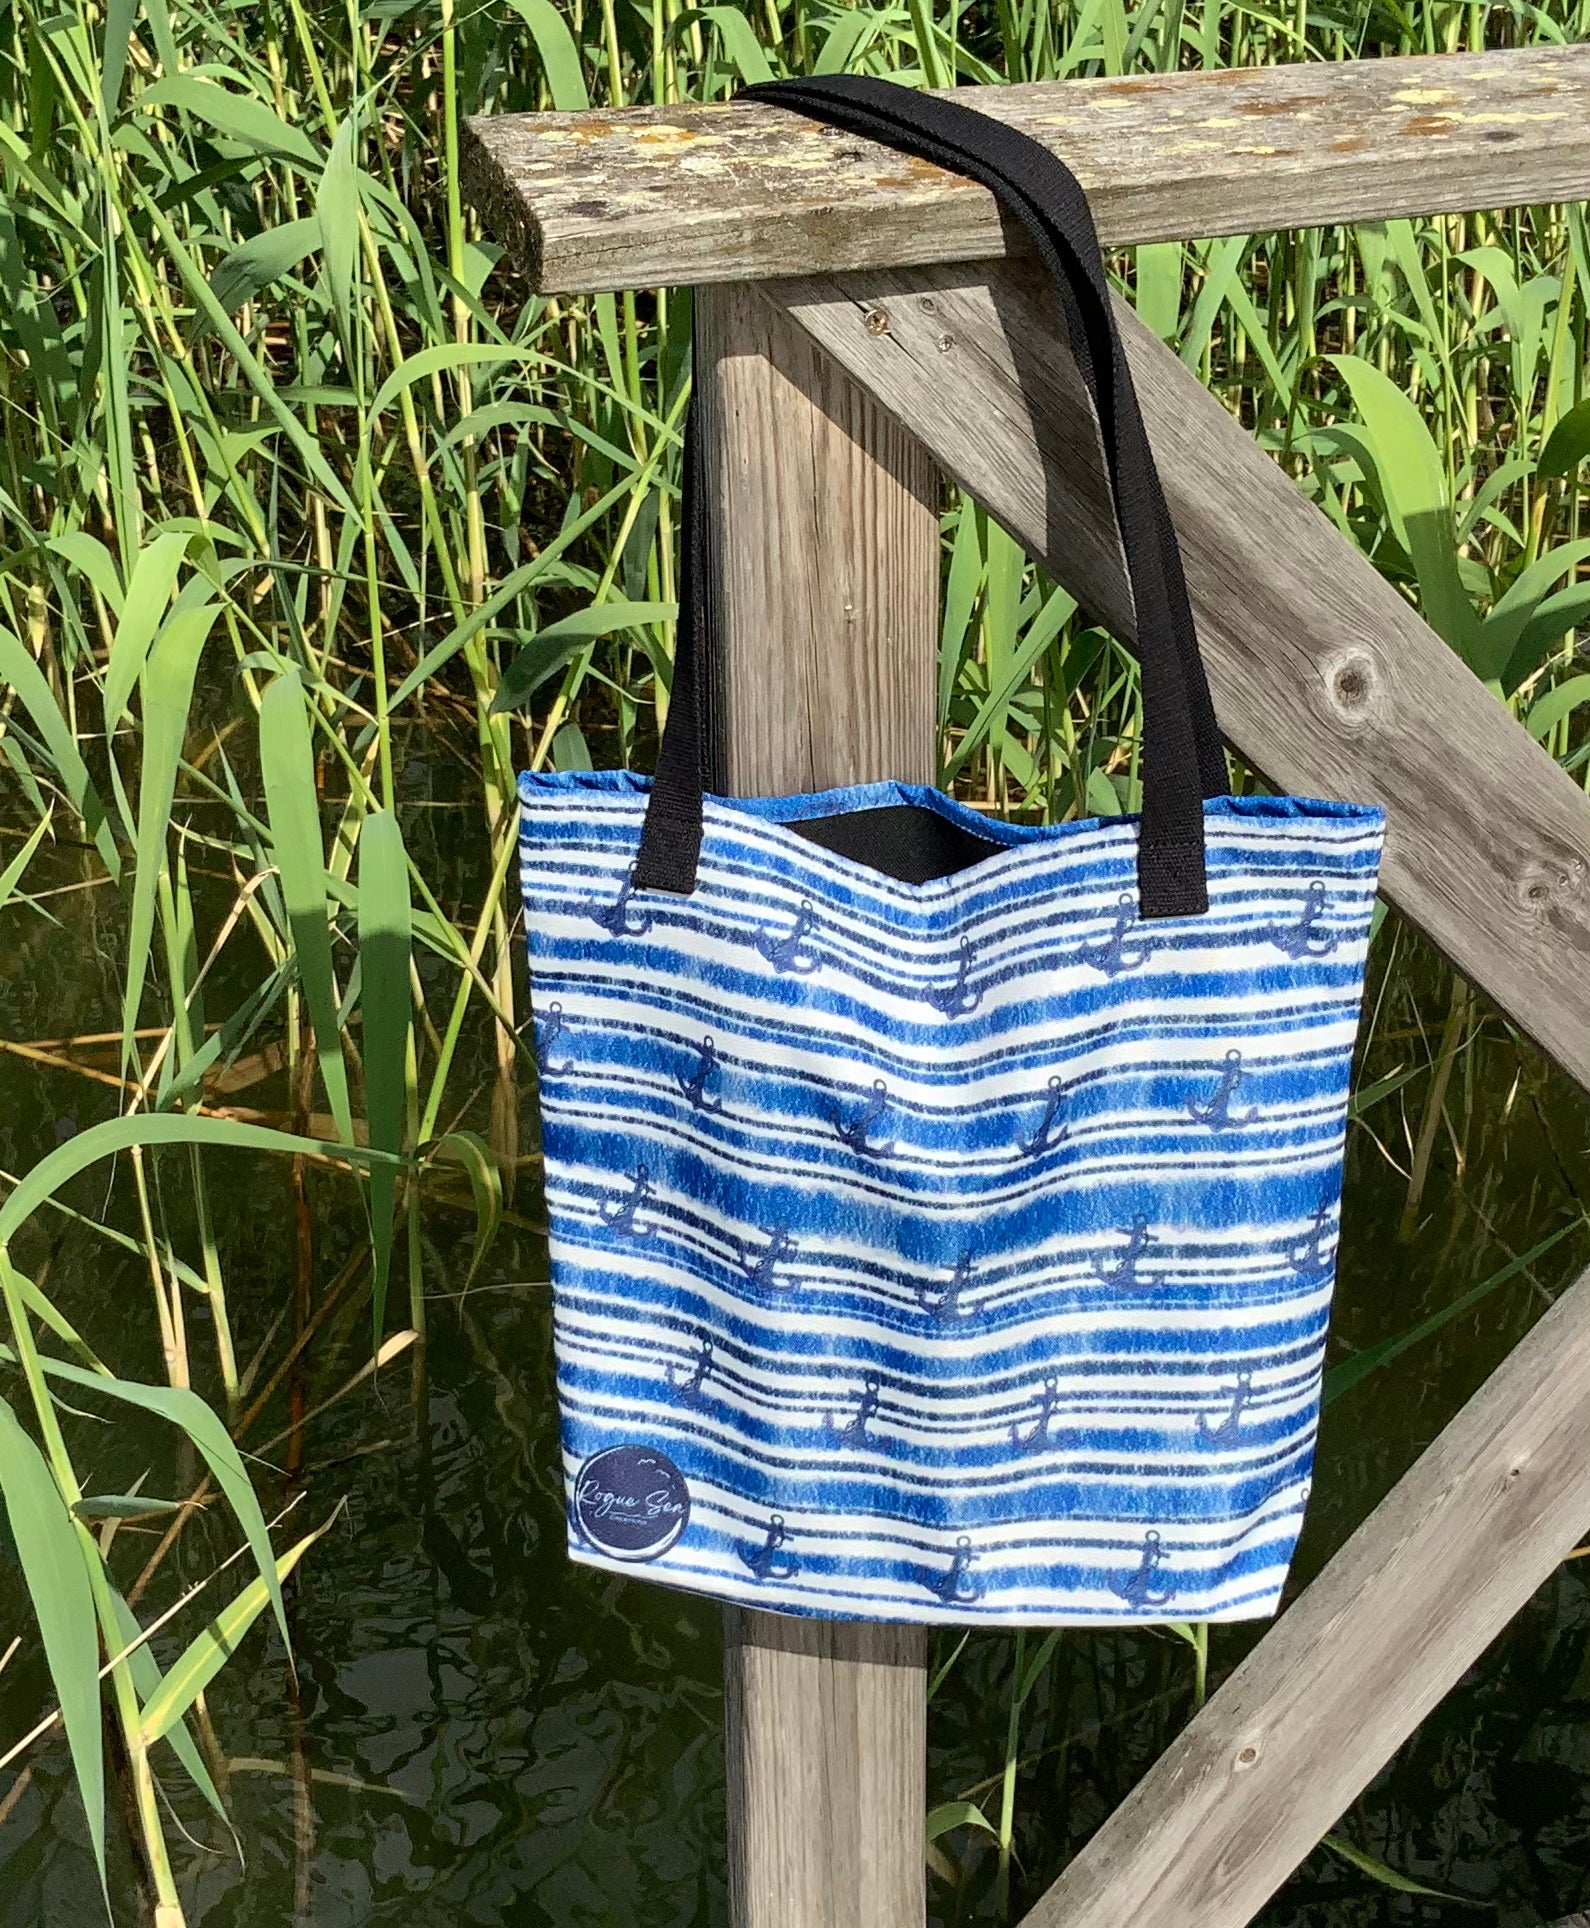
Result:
[1182,758]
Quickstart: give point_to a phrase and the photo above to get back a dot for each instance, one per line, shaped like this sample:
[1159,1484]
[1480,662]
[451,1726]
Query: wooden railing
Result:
[863,325]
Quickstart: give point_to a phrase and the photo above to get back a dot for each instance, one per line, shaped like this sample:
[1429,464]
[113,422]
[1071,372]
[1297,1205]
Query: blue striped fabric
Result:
[950,1251]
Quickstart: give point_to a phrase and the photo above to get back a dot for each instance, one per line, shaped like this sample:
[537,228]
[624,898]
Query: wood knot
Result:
[1247,1756]
[927,304]
[877,321]
[1543,882]
[1352,683]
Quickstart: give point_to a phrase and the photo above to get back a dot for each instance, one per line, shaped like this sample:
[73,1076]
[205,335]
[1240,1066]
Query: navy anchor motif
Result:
[1309,1259]
[618,917]
[1225,1434]
[620,1213]
[1304,938]
[1216,1114]
[854,1432]
[687,1390]
[762,1271]
[1116,954]
[785,953]
[962,995]
[1124,1271]
[768,1561]
[955,1586]
[695,1086]
[946,1304]
[1141,1588]
[1035,1440]
[550,1029]
[1047,1136]
[858,1132]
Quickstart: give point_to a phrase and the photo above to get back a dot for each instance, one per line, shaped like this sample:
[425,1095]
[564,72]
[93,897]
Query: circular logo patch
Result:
[631,1502]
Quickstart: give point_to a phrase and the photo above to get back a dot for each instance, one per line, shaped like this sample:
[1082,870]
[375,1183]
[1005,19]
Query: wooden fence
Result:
[866,323]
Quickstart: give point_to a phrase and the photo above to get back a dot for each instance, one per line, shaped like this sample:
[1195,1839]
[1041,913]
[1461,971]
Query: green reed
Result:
[297,472]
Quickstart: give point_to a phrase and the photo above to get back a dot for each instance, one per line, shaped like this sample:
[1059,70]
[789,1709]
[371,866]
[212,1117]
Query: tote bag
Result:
[943,1210]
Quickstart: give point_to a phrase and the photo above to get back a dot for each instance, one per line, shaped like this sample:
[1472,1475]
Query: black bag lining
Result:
[906,841]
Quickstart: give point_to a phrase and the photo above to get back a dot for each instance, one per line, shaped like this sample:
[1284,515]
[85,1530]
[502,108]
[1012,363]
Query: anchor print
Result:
[687,1390]
[1304,938]
[1047,1136]
[956,1587]
[785,953]
[1115,954]
[1035,1440]
[1140,1588]
[1309,1260]
[1225,1434]
[695,1086]
[769,1561]
[764,1271]
[858,1132]
[854,1432]
[1124,1271]
[945,1303]
[1216,1114]
[962,995]
[620,1213]
[618,917]
[550,1029]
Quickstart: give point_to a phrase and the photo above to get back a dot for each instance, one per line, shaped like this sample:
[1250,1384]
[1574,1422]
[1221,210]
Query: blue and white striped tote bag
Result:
[943,1211]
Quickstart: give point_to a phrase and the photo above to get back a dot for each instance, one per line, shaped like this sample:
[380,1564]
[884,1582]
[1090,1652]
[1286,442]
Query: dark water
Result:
[483,1733]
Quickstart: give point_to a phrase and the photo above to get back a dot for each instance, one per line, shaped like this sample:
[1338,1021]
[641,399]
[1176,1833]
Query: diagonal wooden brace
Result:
[1402,1611]
[1324,678]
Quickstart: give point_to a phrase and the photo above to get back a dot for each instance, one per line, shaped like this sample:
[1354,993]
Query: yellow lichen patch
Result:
[1518,114]
[580,135]
[801,160]
[664,136]
[1423,96]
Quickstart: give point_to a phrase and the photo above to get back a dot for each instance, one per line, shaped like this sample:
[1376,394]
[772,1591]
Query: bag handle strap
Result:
[1182,758]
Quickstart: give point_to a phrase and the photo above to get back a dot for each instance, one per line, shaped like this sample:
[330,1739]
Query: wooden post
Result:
[824,514]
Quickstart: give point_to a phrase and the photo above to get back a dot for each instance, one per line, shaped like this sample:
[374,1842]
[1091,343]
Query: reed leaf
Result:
[51,1556]
[167,681]
[385,943]
[288,766]
[19,670]
[198,1664]
[147,1680]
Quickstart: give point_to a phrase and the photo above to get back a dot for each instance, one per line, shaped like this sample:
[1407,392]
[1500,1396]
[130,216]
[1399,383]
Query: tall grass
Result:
[296,474]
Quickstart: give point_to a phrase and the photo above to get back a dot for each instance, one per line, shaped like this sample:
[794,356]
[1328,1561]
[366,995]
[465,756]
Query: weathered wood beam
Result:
[824,515]
[1324,678]
[646,197]
[1420,1590]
